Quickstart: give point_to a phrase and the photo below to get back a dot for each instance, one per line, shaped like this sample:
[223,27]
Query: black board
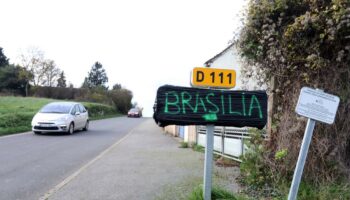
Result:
[194,106]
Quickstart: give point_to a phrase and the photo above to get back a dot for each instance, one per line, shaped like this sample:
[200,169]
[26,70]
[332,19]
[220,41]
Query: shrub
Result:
[183,144]
[281,154]
[99,110]
[254,170]
[15,119]
[121,99]
[264,182]
[15,122]
[57,92]
[324,191]
[292,44]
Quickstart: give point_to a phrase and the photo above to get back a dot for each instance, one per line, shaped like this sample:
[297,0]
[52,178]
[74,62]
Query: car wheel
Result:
[71,129]
[37,132]
[86,128]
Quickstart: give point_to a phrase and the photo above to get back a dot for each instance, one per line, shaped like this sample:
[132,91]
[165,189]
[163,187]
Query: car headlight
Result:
[34,120]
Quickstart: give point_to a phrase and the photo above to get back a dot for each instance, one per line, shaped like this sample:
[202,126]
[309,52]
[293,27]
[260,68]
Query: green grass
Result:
[16,113]
[216,193]
[326,191]
[198,148]
[178,190]
[183,145]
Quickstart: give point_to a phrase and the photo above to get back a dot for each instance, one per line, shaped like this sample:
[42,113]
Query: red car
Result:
[134,112]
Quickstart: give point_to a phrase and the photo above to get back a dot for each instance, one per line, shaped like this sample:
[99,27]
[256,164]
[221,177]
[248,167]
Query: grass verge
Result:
[198,148]
[16,113]
[216,193]
[183,145]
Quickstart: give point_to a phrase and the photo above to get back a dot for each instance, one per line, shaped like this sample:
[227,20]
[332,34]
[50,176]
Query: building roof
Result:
[210,61]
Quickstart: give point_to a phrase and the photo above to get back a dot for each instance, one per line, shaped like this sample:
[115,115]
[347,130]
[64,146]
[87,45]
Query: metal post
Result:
[208,162]
[223,140]
[197,129]
[301,159]
[242,143]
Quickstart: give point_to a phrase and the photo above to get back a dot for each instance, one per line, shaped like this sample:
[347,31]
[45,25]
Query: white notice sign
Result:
[317,105]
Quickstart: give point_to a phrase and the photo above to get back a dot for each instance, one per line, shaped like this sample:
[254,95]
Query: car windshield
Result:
[56,108]
[134,110]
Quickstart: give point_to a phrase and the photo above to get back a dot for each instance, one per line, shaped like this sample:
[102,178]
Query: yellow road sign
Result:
[211,77]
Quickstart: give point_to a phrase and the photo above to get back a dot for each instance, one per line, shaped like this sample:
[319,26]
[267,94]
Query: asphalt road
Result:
[30,165]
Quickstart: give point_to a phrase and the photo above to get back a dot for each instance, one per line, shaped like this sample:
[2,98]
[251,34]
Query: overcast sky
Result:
[142,44]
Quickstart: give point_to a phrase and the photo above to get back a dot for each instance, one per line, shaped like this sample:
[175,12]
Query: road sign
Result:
[317,105]
[196,106]
[211,77]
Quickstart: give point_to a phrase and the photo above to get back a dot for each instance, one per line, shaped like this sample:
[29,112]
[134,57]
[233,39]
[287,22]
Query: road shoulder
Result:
[147,164]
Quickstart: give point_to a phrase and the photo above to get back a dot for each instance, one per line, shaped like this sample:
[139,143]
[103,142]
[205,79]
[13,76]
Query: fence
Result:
[228,141]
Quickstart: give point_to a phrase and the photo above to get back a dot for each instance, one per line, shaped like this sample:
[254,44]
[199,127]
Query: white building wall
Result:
[186,131]
[230,60]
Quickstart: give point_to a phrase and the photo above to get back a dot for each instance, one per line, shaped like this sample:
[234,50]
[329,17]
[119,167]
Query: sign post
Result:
[208,162]
[315,105]
[219,78]
[301,159]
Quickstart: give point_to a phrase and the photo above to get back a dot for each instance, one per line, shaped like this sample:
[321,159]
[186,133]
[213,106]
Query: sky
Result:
[142,44]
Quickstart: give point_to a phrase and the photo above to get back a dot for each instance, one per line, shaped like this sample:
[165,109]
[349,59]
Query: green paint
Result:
[211,103]
[223,104]
[255,105]
[185,101]
[243,104]
[230,107]
[167,103]
[210,117]
[199,104]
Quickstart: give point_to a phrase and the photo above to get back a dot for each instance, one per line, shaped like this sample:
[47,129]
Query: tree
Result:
[11,78]
[25,76]
[121,99]
[117,86]
[296,44]
[50,73]
[33,61]
[61,81]
[96,77]
[4,61]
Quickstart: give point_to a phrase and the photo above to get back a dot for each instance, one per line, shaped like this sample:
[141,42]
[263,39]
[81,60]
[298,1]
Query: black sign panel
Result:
[194,106]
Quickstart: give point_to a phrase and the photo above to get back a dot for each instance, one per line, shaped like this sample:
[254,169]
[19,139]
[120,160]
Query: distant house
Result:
[229,59]
[226,59]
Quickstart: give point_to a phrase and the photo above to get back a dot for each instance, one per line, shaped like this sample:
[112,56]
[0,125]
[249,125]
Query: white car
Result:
[61,117]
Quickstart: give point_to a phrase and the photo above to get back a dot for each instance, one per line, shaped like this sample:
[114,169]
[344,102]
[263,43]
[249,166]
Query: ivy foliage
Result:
[299,43]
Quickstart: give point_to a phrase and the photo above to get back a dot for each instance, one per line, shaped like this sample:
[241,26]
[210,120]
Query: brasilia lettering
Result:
[195,106]
[183,104]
